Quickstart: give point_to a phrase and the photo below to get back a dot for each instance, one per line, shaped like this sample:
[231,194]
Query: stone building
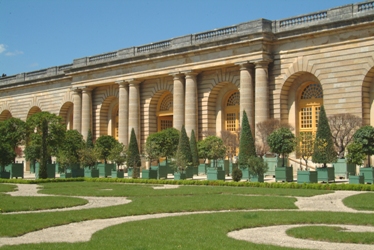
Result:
[281,69]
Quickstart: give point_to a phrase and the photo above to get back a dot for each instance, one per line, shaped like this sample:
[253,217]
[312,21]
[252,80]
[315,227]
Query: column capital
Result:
[75,90]
[176,75]
[261,64]
[132,81]
[121,83]
[86,89]
[190,74]
[245,65]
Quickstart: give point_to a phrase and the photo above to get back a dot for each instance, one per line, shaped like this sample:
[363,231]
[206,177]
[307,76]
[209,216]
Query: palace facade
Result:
[284,69]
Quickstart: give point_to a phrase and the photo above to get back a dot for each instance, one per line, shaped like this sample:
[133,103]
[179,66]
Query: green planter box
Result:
[118,174]
[180,176]
[162,171]
[274,162]
[306,177]
[214,174]
[368,174]
[169,167]
[189,172]
[344,169]
[15,170]
[91,173]
[195,170]
[149,174]
[257,178]
[356,179]
[201,169]
[51,170]
[284,174]
[130,171]
[326,174]
[4,175]
[77,172]
[246,173]
[105,170]
[65,175]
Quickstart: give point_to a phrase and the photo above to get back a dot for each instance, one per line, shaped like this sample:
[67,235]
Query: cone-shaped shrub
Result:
[89,141]
[133,156]
[324,150]
[247,144]
[194,152]
[184,156]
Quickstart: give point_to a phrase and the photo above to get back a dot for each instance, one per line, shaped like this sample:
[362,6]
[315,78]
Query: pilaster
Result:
[191,112]
[77,109]
[123,112]
[247,93]
[86,110]
[261,92]
[178,101]
[134,108]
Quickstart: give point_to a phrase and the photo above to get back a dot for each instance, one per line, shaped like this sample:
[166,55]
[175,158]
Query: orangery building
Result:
[284,69]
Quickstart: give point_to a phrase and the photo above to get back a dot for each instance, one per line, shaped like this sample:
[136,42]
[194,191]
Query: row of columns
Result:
[254,99]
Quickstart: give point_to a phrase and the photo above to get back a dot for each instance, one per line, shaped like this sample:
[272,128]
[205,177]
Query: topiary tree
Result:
[13,132]
[88,157]
[257,165]
[305,147]
[324,151]
[355,154]
[70,149]
[118,154]
[89,141]
[104,144]
[44,134]
[282,141]
[133,156]
[247,144]
[194,152]
[212,147]
[183,156]
[7,155]
[365,137]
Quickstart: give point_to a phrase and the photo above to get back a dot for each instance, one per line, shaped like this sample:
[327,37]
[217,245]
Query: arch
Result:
[165,111]
[108,118]
[5,114]
[368,98]
[33,110]
[66,112]
[154,111]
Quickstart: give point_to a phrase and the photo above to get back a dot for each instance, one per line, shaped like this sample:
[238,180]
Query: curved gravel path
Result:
[274,235]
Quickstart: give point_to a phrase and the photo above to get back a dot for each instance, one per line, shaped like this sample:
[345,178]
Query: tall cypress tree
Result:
[89,142]
[324,151]
[194,152]
[247,144]
[184,156]
[133,156]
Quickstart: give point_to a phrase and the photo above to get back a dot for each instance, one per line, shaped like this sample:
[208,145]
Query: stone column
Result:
[247,94]
[86,111]
[123,113]
[77,110]
[191,112]
[134,109]
[178,101]
[261,92]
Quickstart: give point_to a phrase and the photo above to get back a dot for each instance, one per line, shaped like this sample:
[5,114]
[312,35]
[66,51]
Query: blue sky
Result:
[38,34]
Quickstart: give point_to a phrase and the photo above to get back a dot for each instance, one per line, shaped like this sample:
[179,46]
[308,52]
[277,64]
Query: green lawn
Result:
[360,202]
[199,231]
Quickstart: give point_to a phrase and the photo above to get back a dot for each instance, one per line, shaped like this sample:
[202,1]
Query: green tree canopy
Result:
[118,154]
[89,141]
[365,137]
[355,154]
[247,146]
[282,141]
[212,147]
[183,156]
[13,131]
[133,156]
[162,144]
[70,149]
[324,149]
[194,152]
[7,155]
[104,144]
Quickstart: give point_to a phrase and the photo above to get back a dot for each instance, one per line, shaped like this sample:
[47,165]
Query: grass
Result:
[360,201]
[201,231]
[4,188]
[331,234]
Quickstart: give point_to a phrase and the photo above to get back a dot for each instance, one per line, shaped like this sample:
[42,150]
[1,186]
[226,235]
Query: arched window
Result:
[165,111]
[232,112]
[310,104]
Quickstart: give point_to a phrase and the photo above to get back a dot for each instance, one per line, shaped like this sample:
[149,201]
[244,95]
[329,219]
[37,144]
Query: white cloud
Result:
[15,53]
[2,48]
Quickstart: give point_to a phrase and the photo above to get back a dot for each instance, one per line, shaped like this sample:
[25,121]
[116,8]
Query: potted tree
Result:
[365,137]
[118,156]
[183,157]
[13,132]
[343,127]
[247,147]
[194,153]
[68,155]
[356,156]
[7,155]
[133,161]
[103,146]
[258,168]
[324,151]
[213,148]
[304,148]
[282,141]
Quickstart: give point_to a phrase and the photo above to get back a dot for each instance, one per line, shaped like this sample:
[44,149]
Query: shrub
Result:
[237,174]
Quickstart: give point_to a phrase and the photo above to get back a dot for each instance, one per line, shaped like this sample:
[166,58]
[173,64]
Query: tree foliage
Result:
[365,137]
[89,141]
[263,130]
[282,141]
[211,147]
[324,151]
[257,165]
[162,144]
[247,144]
[355,154]
[133,156]
[343,127]
[12,134]
[305,146]
[104,144]
[70,148]
[118,154]
[183,156]
[194,152]
[7,155]
[231,141]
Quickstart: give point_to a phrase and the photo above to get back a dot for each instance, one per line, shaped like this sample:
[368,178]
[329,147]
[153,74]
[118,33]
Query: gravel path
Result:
[82,231]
